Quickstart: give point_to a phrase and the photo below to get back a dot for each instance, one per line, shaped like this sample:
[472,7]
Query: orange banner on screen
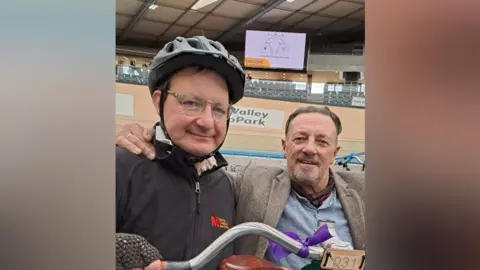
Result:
[256,62]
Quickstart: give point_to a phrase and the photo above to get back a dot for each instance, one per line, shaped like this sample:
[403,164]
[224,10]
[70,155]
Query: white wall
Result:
[336,62]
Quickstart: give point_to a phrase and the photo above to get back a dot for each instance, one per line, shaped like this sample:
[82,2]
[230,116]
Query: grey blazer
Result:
[261,195]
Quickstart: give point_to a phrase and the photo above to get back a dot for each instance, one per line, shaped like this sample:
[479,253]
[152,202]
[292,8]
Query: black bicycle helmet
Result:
[197,51]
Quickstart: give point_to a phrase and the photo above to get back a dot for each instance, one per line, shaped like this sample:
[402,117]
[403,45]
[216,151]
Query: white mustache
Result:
[310,160]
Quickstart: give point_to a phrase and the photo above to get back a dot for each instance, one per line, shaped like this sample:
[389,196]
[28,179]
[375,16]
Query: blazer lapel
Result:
[277,199]
[354,211]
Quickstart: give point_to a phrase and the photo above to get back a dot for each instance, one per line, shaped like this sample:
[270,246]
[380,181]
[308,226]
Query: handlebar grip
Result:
[178,266]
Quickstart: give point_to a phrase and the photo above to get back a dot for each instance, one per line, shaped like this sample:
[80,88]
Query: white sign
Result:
[317,88]
[274,49]
[300,85]
[124,104]
[358,101]
[255,117]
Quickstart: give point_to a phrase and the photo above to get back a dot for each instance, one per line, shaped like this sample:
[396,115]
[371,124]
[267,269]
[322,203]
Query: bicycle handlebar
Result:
[249,228]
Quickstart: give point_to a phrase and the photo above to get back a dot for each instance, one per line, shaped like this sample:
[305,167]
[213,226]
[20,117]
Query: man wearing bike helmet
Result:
[181,202]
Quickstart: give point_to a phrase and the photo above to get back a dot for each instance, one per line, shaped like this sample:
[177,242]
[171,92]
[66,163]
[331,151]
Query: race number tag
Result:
[338,259]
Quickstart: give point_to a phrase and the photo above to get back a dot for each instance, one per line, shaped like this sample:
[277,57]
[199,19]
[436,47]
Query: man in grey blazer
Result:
[299,198]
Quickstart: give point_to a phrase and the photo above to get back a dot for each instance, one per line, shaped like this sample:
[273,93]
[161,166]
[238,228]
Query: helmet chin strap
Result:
[161,135]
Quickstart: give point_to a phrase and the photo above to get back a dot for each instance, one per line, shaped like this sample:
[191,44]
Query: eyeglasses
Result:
[194,106]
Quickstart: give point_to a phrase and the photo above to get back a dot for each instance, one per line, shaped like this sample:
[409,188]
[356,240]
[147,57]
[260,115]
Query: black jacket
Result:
[166,202]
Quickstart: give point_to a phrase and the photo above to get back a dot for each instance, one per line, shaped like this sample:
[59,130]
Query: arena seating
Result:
[268,89]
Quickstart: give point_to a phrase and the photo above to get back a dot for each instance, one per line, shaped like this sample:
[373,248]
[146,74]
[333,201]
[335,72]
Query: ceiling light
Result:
[202,3]
[290,1]
[152,7]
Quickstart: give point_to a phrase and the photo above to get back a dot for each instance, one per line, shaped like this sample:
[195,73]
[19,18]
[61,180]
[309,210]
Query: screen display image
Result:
[275,50]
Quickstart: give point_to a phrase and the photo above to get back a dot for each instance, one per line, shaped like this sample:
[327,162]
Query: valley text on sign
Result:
[255,117]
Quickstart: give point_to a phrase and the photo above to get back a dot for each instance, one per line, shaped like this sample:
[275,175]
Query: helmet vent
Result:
[169,48]
[233,59]
[214,44]
[194,43]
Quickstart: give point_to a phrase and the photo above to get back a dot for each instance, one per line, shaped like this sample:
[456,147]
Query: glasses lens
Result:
[194,106]
[191,105]
[220,113]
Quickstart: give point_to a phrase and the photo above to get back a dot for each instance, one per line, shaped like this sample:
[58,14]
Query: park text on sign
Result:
[255,117]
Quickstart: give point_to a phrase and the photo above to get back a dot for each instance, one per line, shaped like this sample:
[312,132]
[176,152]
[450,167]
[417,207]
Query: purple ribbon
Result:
[321,235]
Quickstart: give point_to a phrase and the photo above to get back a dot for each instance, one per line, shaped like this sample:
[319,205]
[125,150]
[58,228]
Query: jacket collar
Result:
[353,207]
[165,150]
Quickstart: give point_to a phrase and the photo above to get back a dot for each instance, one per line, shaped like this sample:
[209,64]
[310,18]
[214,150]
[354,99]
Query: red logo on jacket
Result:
[219,223]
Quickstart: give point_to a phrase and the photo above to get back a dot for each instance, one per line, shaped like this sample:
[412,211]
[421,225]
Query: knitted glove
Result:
[134,251]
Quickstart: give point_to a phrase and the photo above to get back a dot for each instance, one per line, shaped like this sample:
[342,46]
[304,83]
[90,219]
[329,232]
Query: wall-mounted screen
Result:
[275,50]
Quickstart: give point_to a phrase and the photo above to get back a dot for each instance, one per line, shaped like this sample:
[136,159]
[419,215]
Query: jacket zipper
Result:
[197,216]
[197,194]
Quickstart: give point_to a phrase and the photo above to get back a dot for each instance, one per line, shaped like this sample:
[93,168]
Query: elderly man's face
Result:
[310,148]
[202,133]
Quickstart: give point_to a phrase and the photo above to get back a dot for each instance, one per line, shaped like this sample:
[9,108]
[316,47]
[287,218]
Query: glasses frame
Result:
[178,98]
